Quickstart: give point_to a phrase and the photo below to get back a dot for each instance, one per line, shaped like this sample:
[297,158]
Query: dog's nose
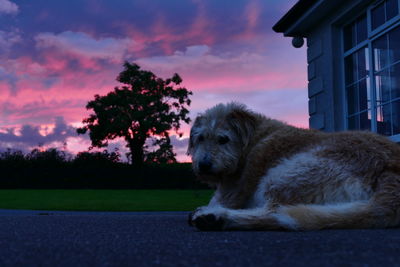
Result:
[205,166]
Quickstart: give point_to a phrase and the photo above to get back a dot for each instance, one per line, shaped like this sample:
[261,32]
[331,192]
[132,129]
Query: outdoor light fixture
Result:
[297,42]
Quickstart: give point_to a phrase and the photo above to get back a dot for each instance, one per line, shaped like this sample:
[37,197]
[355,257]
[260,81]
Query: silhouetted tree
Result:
[144,106]
[164,154]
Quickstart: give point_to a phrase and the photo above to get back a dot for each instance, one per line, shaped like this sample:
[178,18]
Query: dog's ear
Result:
[244,123]
[196,125]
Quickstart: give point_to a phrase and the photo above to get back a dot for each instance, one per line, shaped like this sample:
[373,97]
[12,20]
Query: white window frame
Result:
[372,36]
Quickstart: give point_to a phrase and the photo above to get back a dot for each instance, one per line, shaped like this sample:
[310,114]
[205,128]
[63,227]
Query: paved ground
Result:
[152,239]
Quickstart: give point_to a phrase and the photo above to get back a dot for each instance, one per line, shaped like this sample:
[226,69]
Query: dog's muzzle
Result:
[205,166]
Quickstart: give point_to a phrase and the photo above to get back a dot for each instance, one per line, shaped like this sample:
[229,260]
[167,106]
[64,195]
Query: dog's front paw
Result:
[208,222]
[192,214]
[208,218]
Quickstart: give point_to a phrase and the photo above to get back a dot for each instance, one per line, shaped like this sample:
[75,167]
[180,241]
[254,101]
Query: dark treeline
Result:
[55,169]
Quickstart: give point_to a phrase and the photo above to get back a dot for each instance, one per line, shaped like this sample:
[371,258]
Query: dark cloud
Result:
[29,135]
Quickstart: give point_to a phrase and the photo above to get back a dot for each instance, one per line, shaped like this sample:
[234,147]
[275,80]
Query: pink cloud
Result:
[162,34]
[202,25]
[252,12]
[203,70]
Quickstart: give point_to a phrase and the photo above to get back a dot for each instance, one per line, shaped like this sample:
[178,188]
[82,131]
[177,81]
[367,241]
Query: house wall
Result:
[325,67]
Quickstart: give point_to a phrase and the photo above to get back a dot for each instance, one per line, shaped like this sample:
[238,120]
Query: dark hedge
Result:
[53,169]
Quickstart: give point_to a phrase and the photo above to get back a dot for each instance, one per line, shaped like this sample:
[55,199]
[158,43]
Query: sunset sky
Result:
[56,55]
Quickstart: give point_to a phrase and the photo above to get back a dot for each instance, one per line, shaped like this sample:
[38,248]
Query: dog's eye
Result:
[200,138]
[223,140]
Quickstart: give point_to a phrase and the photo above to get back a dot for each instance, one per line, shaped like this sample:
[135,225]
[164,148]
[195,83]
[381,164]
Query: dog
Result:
[272,176]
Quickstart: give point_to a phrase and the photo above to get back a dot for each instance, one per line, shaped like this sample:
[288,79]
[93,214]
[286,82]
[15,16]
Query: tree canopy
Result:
[145,105]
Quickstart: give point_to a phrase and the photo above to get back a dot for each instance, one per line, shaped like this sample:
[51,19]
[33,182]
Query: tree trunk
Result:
[137,152]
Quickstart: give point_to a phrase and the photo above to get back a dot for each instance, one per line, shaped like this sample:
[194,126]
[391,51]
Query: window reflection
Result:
[363,63]
[378,94]
[381,55]
[384,119]
[382,86]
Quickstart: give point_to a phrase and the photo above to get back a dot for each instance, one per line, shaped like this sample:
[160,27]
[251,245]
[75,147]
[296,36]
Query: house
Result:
[353,54]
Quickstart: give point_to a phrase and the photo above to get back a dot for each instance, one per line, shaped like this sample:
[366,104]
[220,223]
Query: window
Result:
[383,12]
[372,69]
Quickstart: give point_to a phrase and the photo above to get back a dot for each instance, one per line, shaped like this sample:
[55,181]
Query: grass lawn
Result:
[104,200]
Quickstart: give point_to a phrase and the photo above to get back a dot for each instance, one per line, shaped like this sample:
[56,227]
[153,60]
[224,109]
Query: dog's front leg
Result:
[220,218]
[213,203]
[209,218]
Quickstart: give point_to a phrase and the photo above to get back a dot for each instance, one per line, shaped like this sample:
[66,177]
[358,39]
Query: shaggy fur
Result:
[269,175]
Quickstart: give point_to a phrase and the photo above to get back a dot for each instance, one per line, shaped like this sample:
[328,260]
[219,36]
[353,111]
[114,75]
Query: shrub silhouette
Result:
[55,169]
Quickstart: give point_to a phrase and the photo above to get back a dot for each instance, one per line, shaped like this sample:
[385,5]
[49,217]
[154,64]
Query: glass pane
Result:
[352,99]
[381,55]
[369,93]
[351,68]
[363,95]
[354,122]
[362,32]
[394,44]
[396,117]
[392,9]
[378,16]
[363,63]
[382,80]
[395,81]
[365,120]
[349,36]
[384,120]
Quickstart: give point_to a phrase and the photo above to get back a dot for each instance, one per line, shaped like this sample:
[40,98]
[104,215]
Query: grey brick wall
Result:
[315,84]
[325,75]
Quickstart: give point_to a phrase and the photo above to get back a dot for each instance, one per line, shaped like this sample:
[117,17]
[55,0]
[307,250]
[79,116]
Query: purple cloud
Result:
[83,45]
[30,135]
[8,7]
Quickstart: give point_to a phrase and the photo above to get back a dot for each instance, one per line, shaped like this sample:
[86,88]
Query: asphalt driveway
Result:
[42,238]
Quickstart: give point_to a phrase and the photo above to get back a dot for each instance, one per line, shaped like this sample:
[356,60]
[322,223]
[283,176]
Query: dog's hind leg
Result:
[220,218]
[296,217]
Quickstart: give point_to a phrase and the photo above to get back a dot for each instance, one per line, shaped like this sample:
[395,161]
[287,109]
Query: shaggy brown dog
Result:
[269,175]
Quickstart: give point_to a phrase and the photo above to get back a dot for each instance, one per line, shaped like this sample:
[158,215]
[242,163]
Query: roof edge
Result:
[301,7]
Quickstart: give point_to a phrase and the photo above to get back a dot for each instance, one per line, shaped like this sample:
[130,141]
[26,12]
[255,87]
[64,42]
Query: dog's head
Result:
[218,139]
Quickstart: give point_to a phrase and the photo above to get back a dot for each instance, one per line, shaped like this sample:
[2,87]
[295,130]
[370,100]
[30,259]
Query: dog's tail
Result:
[359,214]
